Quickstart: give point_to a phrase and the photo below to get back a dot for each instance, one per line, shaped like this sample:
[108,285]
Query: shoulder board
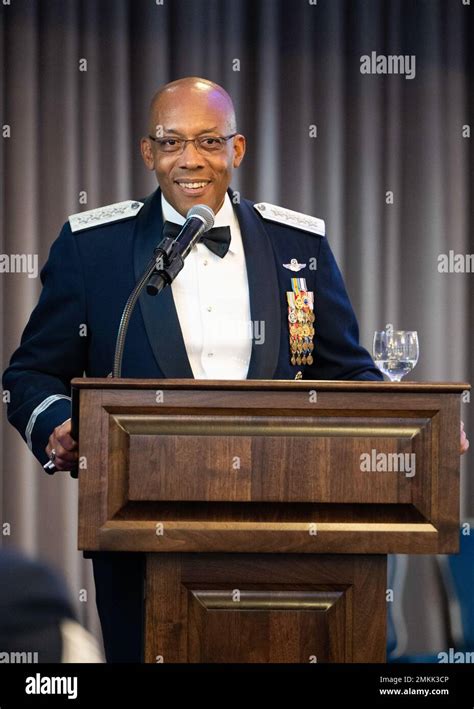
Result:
[104,215]
[297,220]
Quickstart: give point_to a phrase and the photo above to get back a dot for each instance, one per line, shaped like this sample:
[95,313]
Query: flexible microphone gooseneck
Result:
[165,264]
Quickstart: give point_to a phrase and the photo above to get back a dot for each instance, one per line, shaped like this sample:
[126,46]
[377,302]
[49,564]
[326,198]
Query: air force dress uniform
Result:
[294,288]
[92,268]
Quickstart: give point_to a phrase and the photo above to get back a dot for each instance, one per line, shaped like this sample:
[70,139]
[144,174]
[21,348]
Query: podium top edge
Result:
[268,385]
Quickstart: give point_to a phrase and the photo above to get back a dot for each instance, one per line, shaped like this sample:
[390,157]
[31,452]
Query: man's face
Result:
[193,177]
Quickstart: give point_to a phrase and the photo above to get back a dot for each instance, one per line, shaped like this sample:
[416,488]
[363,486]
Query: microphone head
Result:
[204,213]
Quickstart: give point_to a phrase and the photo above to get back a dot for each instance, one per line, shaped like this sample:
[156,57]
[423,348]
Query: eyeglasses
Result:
[204,143]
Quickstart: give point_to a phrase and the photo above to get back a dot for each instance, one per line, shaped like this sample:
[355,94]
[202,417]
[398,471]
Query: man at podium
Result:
[260,298]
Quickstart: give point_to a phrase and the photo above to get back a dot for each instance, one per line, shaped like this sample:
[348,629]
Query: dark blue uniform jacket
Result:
[89,276]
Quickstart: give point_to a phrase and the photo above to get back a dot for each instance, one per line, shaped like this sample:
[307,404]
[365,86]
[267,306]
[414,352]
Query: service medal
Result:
[300,322]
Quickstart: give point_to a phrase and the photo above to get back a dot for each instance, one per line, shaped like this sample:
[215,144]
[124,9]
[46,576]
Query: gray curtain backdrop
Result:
[289,65]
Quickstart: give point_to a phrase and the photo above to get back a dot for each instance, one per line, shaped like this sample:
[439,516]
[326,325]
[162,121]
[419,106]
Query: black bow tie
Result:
[217,239]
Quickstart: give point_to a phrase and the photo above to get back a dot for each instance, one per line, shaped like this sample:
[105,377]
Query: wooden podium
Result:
[266,509]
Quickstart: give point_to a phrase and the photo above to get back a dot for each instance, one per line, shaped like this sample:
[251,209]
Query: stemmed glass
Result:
[395,352]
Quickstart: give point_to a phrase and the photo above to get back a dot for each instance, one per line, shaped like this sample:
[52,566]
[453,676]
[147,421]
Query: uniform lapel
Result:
[264,291]
[159,312]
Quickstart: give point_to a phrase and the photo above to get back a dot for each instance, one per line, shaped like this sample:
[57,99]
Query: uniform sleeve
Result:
[338,352]
[52,351]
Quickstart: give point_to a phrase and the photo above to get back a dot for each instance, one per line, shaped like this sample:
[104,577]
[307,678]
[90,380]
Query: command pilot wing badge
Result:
[300,322]
[294,265]
[104,215]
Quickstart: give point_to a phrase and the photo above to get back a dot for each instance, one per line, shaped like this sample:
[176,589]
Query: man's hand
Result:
[464,441]
[65,447]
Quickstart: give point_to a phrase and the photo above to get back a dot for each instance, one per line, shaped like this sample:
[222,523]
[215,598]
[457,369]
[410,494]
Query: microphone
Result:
[199,219]
[170,253]
[165,264]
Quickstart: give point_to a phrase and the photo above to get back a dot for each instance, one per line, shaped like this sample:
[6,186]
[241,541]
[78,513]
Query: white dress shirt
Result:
[211,295]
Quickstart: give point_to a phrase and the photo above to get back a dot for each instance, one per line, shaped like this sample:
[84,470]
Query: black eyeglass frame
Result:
[183,141]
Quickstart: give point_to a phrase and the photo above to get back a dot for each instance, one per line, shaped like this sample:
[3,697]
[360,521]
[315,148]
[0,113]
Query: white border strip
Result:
[400,571]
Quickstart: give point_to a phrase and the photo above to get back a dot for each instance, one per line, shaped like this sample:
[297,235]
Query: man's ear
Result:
[147,153]
[239,149]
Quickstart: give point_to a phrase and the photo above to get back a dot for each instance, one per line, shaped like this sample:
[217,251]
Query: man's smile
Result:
[193,187]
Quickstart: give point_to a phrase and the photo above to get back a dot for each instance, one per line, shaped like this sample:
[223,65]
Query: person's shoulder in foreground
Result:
[37,620]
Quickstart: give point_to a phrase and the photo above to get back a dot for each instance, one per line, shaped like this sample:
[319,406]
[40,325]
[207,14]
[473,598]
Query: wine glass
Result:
[395,352]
